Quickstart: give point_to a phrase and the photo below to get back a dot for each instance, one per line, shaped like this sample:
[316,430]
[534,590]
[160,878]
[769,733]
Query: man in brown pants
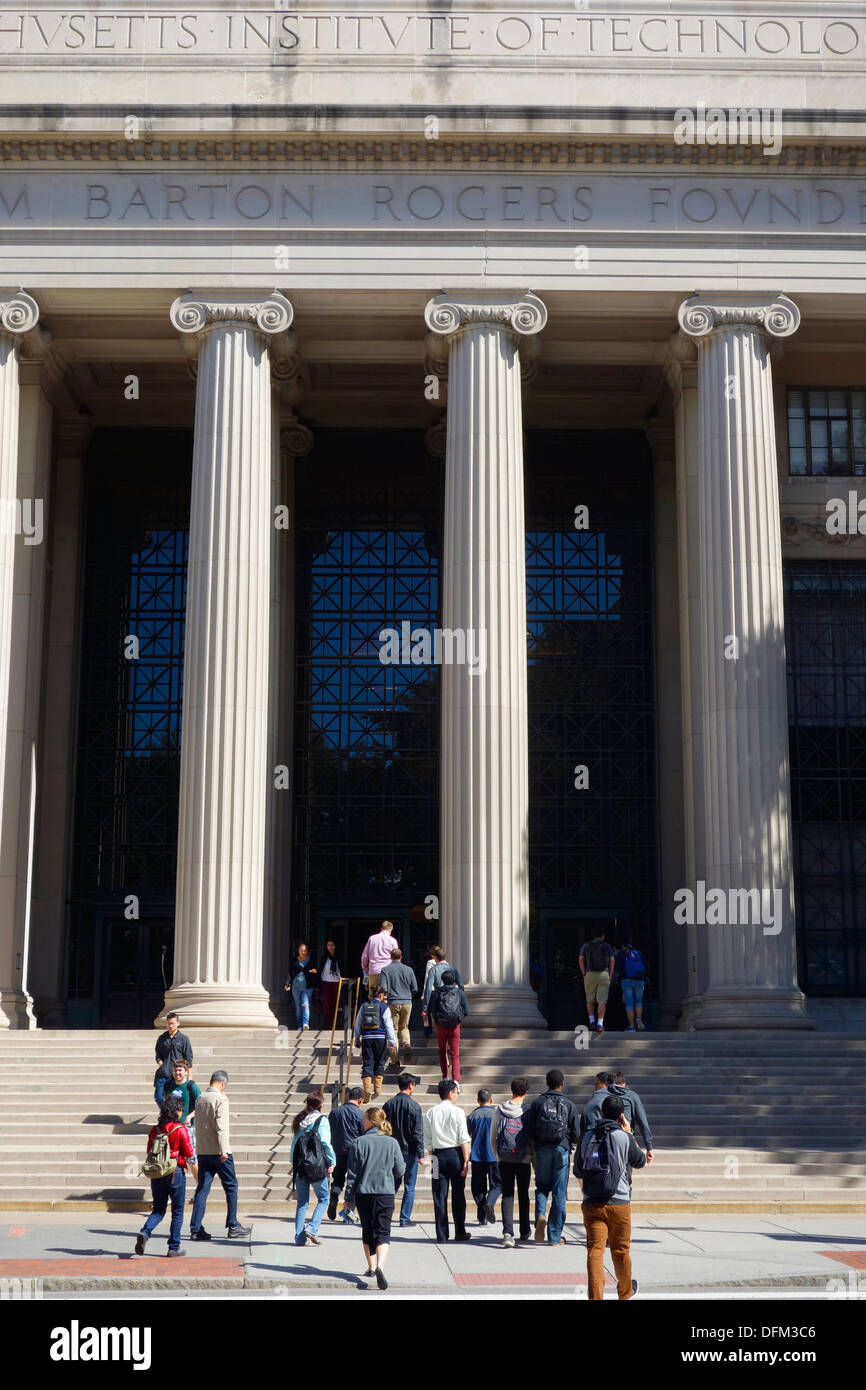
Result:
[607,1154]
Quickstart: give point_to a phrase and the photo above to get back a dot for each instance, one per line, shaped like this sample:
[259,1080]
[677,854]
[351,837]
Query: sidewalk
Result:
[673,1256]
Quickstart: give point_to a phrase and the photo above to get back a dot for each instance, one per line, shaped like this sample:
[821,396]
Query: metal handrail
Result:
[343,1048]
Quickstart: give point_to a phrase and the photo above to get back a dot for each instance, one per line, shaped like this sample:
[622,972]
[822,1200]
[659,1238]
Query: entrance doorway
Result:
[137,970]
[561,997]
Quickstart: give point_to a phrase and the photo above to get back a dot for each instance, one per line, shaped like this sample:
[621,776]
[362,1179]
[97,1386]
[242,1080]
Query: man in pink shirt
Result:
[376,955]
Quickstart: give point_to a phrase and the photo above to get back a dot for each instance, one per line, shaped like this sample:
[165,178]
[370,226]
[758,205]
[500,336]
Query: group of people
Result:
[601,967]
[355,1160]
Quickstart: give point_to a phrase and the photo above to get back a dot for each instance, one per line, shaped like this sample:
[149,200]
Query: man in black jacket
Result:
[551,1126]
[347,1123]
[169,1046]
[407,1126]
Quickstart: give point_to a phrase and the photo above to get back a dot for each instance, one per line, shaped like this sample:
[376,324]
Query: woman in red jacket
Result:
[173,1185]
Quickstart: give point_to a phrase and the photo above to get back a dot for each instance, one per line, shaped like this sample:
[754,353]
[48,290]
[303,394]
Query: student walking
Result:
[631,968]
[425,994]
[215,1159]
[486,1185]
[169,1046]
[448,1008]
[615,1085]
[347,1125]
[551,1127]
[301,980]
[374,1034]
[329,982]
[376,955]
[604,1161]
[510,1143]
[375,1168]
[435,970]
[400,984]
[596,962]
[447,1138]
[406,1119]
[187,1092]
[312,1158]
[168,1152]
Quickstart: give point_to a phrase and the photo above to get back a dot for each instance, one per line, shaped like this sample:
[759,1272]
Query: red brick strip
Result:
[855,1259]
[112,1266]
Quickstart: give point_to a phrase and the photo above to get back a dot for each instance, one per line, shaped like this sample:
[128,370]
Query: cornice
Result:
[339,151]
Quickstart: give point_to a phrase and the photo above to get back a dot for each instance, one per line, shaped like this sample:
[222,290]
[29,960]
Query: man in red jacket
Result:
[173,1185]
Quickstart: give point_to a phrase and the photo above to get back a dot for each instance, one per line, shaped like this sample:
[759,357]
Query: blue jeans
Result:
[551,1178]
[210,1167]
[301,997]
[632,993]
[302,1187]
[408,1180]
[161,1083]
[161,1189]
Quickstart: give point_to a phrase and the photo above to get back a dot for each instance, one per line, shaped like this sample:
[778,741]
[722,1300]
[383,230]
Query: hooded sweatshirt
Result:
[629,1154]
[514,1108]
[634,1112]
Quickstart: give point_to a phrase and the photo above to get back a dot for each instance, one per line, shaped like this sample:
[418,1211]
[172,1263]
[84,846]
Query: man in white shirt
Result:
[446,1136]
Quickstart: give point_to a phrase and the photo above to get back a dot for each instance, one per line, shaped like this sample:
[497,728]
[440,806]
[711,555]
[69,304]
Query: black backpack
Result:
[597,956]
[446,1006]
[371,1016]
[551,1119]
[598,1165]
[308,1160]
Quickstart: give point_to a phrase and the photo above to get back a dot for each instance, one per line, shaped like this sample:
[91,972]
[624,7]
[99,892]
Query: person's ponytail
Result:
[376,1116]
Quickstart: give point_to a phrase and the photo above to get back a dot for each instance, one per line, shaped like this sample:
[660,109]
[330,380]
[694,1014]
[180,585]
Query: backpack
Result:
[158,1162]
[511,1142]
[551,1119]
[309,1159]
[597,1164]
[597,955]
[446,1006]
[371,1016]
[634,966]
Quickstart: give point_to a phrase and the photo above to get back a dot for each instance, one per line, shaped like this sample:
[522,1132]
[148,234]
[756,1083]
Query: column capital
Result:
[19,312]
[196,311]
[296,438]
[774,314]
[522,313]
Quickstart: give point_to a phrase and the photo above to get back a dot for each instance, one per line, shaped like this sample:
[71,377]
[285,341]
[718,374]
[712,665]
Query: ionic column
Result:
[484,885]
[19,315]
[751,970]
[224,732]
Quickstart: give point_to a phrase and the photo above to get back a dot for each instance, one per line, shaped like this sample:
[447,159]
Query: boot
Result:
[377,1086]
[366,1085]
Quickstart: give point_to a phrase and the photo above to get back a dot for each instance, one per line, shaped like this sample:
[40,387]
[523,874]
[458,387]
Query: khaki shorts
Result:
[597,984]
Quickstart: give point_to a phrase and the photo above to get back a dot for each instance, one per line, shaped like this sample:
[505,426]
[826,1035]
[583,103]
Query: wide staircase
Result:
[742,1121]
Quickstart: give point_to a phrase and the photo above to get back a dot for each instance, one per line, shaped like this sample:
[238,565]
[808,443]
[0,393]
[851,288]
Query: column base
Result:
[751,1006]
[218,1006]
[503,1007]
[16,1010]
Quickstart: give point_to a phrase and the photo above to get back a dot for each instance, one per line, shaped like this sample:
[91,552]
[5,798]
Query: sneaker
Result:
[200,1234]
[630,1029]
[306,1028]
[368,1274]
[490,1213]
[172,1254]
[239,1232]
[540,1230]
[380,1279]
[467,1235]
[316,1240]
[508,1241]
[600,1028]
[634,1287]
[301,1239]
[592,1025]
[641,1026]
[562,1241]
[347,1218]
[408,1225]
[332,1209]
[140,1243]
